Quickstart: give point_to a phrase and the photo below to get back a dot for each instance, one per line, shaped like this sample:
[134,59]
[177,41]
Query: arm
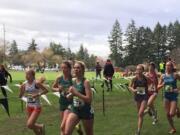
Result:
[131,87]
[44,89]
[161,83]
[112,70]
[87,97]
[55,86]
[22,90]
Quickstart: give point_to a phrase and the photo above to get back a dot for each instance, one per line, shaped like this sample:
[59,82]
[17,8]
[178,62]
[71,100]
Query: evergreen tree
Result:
[32,46]
[115,41]
[130,48]
[13,48]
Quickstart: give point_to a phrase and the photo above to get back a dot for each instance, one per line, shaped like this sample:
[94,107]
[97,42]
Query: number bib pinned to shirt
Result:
[168,88]
[141,90]
[77,102]
[30,99]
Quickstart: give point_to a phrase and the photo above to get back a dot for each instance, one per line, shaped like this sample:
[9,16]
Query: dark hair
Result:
[108,60]
[67,63]
[141,66]
[152,64]
[32,72]
[2,66]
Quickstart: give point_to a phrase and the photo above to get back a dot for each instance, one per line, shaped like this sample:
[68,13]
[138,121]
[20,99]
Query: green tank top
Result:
[77,102]
[63,101]
[65,84]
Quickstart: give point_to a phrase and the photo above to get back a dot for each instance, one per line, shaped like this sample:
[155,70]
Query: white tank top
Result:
[29,90]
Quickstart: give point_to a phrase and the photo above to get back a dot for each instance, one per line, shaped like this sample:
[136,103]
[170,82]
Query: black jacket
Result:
[108,70]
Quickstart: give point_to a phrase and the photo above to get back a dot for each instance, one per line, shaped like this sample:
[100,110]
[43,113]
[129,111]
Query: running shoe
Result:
[172,131]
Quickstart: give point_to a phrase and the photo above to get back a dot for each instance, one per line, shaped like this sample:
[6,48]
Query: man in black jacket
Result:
[98,70]
[108,73]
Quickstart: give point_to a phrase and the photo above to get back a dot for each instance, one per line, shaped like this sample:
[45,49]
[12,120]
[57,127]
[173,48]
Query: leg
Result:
[96,75]
[79,129]
[167,109]
[141,114]
[31,123]
[71,122]
[64,116]
[110,81]
[61,119]
[173,106]
[151,100]
[150,104]
[88,126]
[4,92]
[107,85]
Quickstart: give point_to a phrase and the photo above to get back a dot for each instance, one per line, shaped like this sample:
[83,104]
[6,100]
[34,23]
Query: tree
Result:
[32,46]
[57,49]
[176,34]
[160,42]
[130,41]
[13,48]
[81,53]
[115,41]
[68,54]
[170,42]
[1,53]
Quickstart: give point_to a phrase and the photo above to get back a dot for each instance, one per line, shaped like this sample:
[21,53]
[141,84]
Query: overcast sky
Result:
[87,21]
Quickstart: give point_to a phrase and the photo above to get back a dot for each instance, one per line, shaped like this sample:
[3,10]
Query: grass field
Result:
[120,116]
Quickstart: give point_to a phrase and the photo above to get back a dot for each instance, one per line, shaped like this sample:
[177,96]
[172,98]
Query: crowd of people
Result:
[75,102]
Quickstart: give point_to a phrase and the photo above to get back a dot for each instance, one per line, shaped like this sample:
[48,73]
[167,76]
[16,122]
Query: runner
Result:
[139,86]
[82,97]
[62,85]
[152,92]
[33,90]
[169,82]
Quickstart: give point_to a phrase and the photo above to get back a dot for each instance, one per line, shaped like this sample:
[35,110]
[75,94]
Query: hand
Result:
[69,96]
[35,95]
[133,90]
[73,90]
[60,88]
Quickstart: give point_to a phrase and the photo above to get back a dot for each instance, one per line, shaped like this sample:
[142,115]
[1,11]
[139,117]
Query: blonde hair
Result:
[83,67]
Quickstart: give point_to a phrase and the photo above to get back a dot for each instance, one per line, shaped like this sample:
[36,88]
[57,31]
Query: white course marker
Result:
[116,86]
[17,85]
[46,99]
[24,99]
[56,94]
[7,88]
[93,90]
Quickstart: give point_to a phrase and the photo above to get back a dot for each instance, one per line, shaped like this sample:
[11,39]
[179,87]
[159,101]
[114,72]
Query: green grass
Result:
[120,116]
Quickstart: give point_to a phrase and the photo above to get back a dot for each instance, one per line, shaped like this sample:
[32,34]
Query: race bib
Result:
[141,90]
[30,99]
[77,102]
[151,87]
[168,88]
